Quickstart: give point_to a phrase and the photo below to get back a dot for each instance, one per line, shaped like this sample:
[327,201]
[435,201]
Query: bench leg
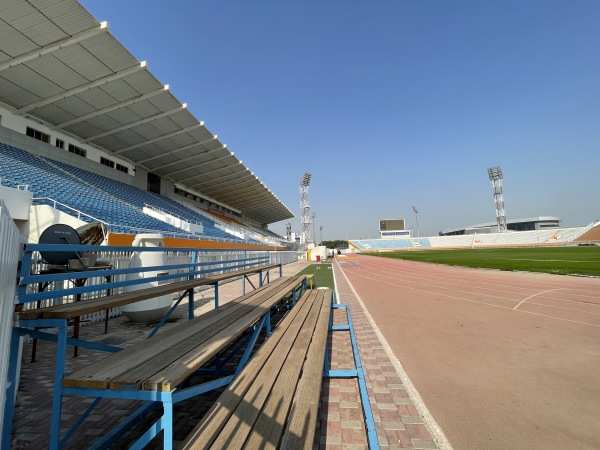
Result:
[246,356]
[167,424]
[268,323]
[61,356]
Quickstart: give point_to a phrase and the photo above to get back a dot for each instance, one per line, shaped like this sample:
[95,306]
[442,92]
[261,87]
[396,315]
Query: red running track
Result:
[502,360]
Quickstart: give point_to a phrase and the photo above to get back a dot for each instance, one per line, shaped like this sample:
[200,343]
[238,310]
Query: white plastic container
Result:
[152,309]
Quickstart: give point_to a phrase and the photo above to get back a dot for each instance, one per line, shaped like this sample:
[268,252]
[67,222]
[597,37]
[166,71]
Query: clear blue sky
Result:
[389,104]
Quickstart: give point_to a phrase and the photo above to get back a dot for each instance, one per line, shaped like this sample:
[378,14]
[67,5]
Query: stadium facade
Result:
[533,223]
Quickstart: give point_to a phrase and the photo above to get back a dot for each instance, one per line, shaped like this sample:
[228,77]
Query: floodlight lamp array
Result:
[305,180]
[495,173]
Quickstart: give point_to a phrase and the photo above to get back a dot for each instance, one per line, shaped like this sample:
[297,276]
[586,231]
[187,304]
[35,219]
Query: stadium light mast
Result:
[314,216]
[495,174]
[417,217]
[305,207]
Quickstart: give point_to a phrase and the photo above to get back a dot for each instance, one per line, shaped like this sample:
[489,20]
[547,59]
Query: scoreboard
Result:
[391,225]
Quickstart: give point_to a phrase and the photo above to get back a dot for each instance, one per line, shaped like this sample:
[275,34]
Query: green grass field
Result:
[323,274]
[558,260]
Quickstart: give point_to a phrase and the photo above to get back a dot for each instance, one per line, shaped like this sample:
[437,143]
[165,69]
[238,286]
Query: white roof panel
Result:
[58,65]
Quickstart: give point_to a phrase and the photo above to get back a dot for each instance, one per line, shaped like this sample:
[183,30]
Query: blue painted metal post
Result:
[364,393]
[216,295]
[168,424]
[61,356]
[191,294]
[260,277]
[268,323]
[244,276]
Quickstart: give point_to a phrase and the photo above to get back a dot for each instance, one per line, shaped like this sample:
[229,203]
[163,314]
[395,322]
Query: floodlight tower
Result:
[495,174]
[288,231]
[417,217]
[305,207]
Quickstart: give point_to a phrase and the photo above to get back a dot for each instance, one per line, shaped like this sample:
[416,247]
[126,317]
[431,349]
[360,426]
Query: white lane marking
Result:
[436,432]
[534,295]
[475,301]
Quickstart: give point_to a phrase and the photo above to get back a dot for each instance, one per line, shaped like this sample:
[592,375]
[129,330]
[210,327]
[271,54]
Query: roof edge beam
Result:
[197,155]
[212,171]
[247,175]
[241,185]
[179,149]
[203,163]
[82,88]
[136,123]
[57,45]
[161,137]
[246,195]
[117,105]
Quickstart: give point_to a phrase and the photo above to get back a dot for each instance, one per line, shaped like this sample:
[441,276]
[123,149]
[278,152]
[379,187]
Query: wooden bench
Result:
[60,316]
[154,369]
[274,401]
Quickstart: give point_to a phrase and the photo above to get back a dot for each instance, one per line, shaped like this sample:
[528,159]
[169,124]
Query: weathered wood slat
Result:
[278,391]
[281,370]
[193,353]
[99,374]
[302,420]
[270,423]
[243,386]
[173,355]
[76,309]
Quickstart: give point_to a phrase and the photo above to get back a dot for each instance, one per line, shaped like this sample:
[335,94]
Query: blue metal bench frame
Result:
[28,327]
[357,373]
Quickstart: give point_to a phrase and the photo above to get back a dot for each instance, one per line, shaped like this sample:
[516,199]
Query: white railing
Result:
[10,240]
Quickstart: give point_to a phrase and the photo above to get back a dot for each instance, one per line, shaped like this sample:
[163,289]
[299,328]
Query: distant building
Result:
[533,223]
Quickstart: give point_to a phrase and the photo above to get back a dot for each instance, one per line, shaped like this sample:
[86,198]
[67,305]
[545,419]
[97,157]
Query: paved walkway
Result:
[401,421]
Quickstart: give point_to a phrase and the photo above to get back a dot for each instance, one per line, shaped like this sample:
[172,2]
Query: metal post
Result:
[417,217]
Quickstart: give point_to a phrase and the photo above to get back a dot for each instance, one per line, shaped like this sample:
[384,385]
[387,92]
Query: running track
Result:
[502,360]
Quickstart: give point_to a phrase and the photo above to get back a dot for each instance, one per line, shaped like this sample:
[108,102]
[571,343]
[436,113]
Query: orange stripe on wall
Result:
[120,239]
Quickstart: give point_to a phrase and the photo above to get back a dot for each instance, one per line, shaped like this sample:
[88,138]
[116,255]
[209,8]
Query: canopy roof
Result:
[61,67]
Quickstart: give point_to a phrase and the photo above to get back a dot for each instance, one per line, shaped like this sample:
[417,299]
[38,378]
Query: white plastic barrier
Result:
[10,243]
[154,308]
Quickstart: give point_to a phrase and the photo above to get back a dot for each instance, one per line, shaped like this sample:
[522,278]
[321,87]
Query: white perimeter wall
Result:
[42,216]
[10,240]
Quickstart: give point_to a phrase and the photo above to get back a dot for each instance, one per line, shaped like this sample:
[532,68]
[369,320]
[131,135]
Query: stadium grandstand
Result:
[588,235]
[88,134]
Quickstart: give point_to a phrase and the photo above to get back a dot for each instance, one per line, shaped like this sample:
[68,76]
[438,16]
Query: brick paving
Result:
[341,425]
[399,422]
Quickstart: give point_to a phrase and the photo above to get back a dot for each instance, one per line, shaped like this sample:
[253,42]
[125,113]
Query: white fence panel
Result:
[9,258]
[283,257]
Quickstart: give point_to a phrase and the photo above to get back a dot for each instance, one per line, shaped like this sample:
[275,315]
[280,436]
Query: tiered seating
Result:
[510,238]
[47,181]
[117,204]
[140,198]
[382,244]
[592,234]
